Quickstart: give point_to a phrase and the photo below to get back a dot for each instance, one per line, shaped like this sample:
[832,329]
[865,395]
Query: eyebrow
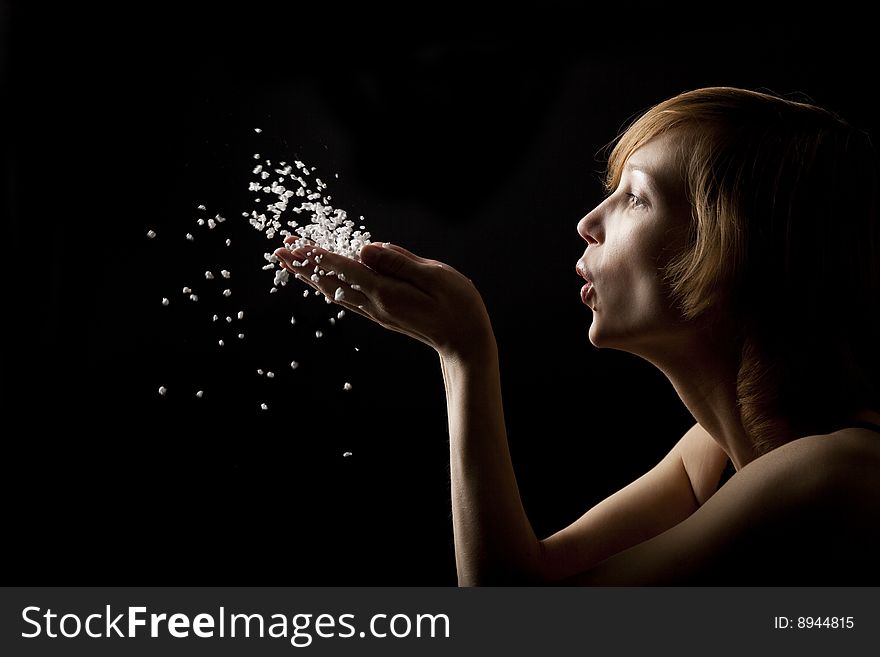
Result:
[638,167]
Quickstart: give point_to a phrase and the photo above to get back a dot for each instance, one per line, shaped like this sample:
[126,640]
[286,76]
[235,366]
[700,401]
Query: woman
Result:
[738,250]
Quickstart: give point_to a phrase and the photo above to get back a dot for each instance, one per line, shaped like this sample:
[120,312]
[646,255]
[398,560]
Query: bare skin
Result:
[670,525]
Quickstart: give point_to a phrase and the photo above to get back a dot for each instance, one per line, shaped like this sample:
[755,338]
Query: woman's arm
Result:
[432,302]
[494,541]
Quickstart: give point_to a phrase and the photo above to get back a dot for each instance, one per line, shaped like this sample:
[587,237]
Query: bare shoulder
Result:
[803,514]
[839,467]
[844,464]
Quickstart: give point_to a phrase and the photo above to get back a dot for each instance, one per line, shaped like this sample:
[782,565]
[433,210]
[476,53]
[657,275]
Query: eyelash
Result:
[638,201]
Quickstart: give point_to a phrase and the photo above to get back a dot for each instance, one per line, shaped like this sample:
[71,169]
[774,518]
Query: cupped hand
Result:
[425,299]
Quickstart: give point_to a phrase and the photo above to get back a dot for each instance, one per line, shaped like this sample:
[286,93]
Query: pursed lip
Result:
[582,271]
[587,289]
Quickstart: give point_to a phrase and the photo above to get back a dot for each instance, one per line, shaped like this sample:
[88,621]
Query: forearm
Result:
[494,541]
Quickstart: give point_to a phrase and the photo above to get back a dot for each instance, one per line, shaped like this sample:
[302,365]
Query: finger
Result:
[287,261]
[409,254]
[293,237]
[391,262]
[328,282]
[346,269]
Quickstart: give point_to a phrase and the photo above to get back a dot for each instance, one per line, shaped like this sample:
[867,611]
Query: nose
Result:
[589,228]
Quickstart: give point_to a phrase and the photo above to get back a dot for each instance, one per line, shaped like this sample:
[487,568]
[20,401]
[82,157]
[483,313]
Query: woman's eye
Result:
[634,201]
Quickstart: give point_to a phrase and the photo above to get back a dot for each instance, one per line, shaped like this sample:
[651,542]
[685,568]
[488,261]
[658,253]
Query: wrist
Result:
[478,347]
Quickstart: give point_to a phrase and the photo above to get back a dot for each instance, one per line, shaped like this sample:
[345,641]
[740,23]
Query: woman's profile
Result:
[738,250]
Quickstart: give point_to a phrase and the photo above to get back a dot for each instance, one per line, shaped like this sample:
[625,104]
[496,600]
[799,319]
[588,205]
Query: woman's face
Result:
[630,236]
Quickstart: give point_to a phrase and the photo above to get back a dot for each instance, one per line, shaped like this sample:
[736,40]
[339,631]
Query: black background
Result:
[473,137]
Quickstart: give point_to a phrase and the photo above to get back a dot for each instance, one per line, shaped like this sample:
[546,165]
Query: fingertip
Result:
[370,252]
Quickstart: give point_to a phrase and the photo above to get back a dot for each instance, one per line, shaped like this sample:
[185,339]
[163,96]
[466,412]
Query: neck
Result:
[703,372]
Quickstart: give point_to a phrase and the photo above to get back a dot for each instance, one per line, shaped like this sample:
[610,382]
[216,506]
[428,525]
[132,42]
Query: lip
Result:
[586,291]
[581,269]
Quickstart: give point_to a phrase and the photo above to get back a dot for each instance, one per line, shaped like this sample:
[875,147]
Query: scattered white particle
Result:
[293,364]
[189,237]
[317,292]
[327,300]
[347,386]
[193,297]
[220,342]
[273,290]
[240,314]
[270,375]
[201,222]
[318,334]
[228,319]
[356,349]
[256,156]
[162,390]
[224,273]
[336,174]
[293,319]
[315,278]
[211,224]
[260,372]
[339,294]
[218,219]
[355,286]
[151,234]
[340,314]
[305,293]
[202,207]
[241,336]
[200,394]
[186,290]
[264,407]
[215,318]
[227,292]
[258,130]
[346,454]
[209,276]
[165,301]
[228,242]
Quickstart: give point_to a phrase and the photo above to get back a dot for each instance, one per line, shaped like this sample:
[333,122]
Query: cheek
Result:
[633,279]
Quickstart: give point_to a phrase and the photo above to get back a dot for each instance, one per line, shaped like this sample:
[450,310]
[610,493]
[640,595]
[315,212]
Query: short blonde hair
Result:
[785,241]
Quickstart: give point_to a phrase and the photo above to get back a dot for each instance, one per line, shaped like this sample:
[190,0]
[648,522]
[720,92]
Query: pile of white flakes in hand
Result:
[329,228]
[295,194]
